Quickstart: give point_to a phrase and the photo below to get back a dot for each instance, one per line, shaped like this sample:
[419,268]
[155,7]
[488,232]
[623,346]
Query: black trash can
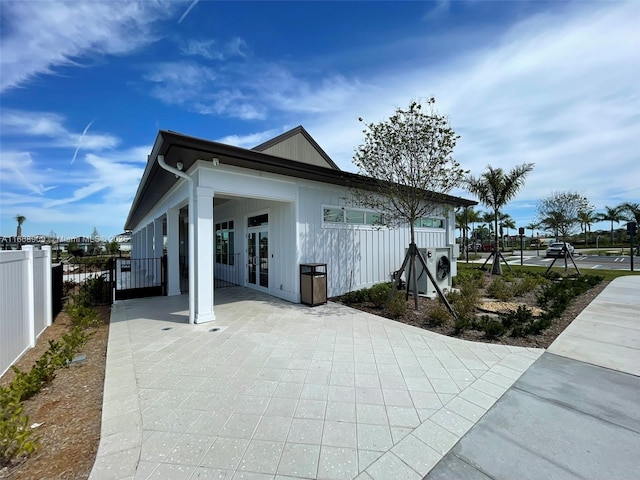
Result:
[313,283]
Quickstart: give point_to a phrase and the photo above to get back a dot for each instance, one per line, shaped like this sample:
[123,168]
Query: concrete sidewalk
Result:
[574,413]
[283,391]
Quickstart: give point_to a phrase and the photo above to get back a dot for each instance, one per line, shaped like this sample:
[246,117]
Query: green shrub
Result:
[537,326]
[397,307]
[468,276]
[555,297]
[521,316]
[439,316]
[493,329]
[83,315]
[379,294]
[461,324]
[500,290]
[356,296]
[527,284]
[16,437]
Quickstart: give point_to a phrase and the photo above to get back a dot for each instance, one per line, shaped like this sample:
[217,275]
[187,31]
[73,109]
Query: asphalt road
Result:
[584,262]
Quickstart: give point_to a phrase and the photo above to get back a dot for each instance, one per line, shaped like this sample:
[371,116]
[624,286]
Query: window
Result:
[225,246]
[333,215]
[429,223]
[355,216]
[351,216]
[373,218]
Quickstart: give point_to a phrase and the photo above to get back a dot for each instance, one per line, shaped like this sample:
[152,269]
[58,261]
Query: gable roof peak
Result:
[276,146]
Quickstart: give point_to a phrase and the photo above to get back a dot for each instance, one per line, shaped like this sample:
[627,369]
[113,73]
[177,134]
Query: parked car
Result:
[474,247]
[556,249]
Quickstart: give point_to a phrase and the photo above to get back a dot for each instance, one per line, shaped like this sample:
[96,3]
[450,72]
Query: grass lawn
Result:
[607,274]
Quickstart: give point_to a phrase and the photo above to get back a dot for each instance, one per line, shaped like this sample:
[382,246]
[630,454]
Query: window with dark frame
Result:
[225,243]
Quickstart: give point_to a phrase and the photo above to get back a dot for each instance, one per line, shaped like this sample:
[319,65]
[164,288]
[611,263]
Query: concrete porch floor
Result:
[284,391]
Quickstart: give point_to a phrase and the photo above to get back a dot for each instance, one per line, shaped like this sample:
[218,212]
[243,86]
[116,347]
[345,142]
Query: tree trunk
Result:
[496,268]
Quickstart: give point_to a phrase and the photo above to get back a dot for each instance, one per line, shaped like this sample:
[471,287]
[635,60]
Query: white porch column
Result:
[148,250]
[203,255]
[158,247]
[173,251]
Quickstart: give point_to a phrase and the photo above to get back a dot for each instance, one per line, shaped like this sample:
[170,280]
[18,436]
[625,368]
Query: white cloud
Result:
[19,168]
[559,89]
[50,125]
[39,37]
[213,50]
[251,140]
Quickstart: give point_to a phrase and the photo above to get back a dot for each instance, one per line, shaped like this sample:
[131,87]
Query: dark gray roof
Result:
[176,147]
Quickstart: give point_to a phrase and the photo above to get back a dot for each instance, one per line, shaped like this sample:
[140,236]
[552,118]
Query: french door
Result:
[258,257]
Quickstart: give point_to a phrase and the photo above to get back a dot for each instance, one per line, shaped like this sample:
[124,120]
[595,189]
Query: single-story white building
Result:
[260,213]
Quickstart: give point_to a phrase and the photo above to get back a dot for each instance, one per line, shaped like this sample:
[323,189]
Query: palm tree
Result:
[532,226]
[632,211]
[461,223]
[611,214]
[633,214]
[587,218]
[494,188]
[473,217]
[20,219]
[506,222]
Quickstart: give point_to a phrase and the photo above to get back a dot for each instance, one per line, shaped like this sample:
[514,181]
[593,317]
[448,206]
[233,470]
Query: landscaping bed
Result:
[66,413]
[473,320]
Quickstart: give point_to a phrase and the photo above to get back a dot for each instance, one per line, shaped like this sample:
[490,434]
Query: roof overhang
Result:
[176,147]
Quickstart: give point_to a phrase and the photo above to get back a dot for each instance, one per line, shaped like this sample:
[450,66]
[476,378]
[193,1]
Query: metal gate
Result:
[139,277]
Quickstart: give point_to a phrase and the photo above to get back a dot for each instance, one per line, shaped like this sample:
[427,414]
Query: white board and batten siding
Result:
[357,256]
[25,301]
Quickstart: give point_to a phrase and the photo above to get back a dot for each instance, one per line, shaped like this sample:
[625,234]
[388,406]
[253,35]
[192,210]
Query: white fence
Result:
[25,300]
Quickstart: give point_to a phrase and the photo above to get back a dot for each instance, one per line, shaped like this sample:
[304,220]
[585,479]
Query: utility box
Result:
[313,283]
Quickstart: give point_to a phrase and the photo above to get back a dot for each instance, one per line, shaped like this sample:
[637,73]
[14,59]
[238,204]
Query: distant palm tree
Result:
[633,214]
[587,218]
[494,188]
[20,219]
[632,211]
[506,222]
[532,226]
[611,214]
[473,217]
[461,223]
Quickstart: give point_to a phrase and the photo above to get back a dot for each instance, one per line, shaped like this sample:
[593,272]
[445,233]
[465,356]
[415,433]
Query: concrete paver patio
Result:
[285,391]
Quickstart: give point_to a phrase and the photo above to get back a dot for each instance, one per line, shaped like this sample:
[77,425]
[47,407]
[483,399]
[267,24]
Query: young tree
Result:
[560,211]
[409,159]
[495,188]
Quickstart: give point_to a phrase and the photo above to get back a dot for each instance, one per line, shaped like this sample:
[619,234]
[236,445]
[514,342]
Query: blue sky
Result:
[85,86]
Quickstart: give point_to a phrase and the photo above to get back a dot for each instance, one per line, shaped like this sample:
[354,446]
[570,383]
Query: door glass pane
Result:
[264,259]
[251,258]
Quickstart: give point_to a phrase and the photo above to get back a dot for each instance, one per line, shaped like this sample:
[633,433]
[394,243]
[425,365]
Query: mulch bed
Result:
[68,410]
[420,318]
